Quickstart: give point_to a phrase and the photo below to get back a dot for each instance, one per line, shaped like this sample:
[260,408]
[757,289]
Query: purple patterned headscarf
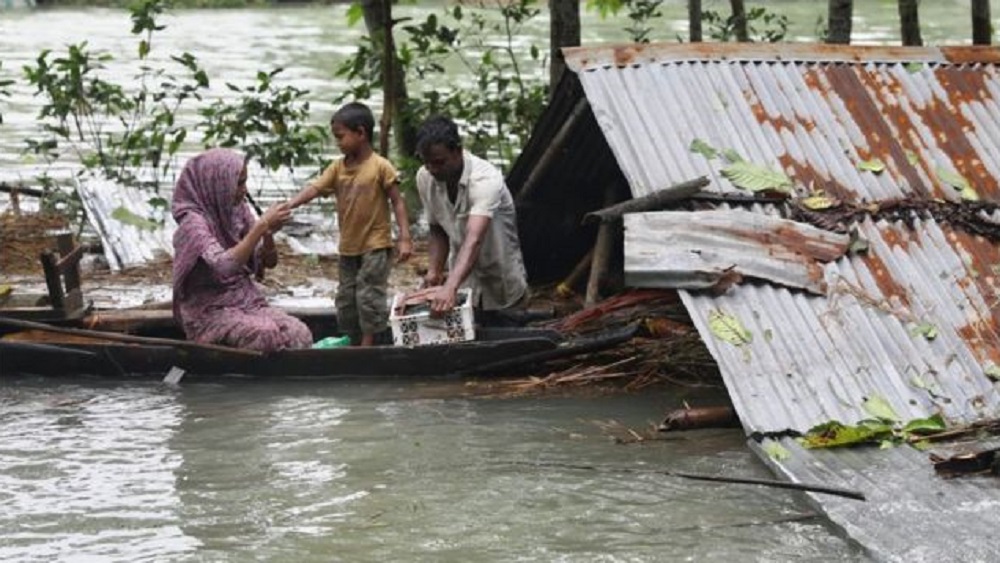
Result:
[206,188]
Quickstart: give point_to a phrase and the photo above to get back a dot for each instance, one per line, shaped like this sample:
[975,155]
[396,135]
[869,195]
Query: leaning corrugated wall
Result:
[914,320]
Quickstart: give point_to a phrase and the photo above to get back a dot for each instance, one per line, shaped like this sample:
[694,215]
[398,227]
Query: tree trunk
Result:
[740,21]
[839,16]
[981,27]
[378,23]
[564,31]
[694,20]
[909,23]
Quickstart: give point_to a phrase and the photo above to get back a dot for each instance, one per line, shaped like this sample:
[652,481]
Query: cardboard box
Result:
[419,329]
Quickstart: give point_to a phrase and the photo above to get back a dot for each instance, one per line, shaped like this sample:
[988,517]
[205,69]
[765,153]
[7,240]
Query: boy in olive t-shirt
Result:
[364,184]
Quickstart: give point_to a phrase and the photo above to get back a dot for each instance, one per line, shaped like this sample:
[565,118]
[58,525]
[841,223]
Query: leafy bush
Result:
[504,100]
[267,123]
[130,135]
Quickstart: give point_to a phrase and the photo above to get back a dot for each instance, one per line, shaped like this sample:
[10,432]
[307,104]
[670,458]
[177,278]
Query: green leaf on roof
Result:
[925,329]
[925,425]
[857,243]
[879,408]
[703,148]
[912,158]
[957,181]
[728,328]
[913,67]
[776,451]
[756,178]
[968,194]
[123,215]
[874,165]
[819,201]
[832,434]
[993,373]
[732,156]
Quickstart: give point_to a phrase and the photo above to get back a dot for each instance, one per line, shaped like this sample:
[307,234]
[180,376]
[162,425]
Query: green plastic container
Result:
[333,342]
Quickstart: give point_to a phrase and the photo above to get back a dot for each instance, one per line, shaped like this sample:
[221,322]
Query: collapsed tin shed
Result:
[886,284]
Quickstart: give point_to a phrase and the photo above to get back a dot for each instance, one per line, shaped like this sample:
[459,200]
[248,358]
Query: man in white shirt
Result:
[473,226]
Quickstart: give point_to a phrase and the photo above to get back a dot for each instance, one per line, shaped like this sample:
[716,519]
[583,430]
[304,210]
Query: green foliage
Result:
[762,25]
[504,100]
[728,328]
[124,215]
[703,148]
[754,178]
[121,132]
[884,428]
[957,181]
[872,165]
[639,13]
[58,200]
[268,123]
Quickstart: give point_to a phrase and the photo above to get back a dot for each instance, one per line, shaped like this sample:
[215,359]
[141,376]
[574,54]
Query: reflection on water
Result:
[373,472]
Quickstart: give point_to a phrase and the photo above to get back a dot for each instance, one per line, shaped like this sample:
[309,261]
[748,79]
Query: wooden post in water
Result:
[602,252]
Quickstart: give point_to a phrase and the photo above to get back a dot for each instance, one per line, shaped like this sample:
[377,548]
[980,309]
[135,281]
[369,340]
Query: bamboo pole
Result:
[128,338]
[555,148]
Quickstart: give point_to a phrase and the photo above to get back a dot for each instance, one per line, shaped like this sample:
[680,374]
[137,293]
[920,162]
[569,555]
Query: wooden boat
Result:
[28,347]
[118,344]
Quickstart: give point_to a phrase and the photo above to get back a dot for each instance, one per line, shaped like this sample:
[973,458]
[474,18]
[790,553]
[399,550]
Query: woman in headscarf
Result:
[219,247]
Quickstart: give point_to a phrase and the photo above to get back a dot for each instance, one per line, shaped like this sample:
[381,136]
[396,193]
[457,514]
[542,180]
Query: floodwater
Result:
[367,471]
[378,471]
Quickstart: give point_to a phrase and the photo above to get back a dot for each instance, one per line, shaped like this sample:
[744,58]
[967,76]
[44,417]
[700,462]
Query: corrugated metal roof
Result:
[910,514]
[914,320]
[118,214]
[701,249]
[816,121]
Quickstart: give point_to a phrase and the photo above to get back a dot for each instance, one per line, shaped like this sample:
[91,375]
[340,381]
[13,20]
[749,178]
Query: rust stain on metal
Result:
[807,176]
[787,240]
[780,121]
[859,88]
[894,238]
[816,274]
[981,336]
[982,264]
[887,285]
[953,130]
[972,54]
[625,55]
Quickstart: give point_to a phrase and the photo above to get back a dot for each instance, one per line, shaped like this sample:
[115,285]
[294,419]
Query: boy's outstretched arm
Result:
[404,247]
[306,195]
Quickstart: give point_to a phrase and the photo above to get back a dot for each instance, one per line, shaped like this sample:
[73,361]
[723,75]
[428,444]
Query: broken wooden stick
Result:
[806,487]
[651,202]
